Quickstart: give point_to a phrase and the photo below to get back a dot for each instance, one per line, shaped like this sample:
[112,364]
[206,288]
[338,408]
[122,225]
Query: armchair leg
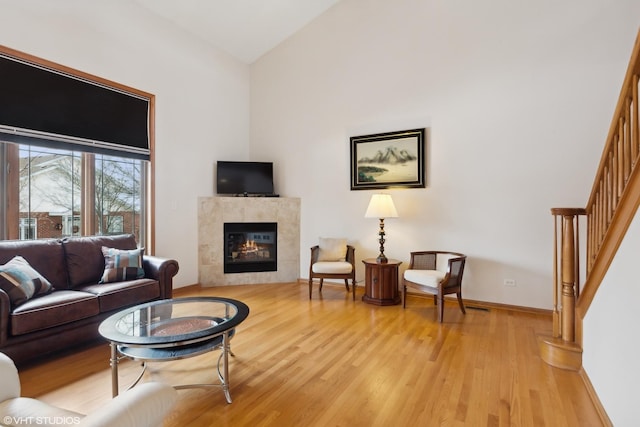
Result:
[404,296]
[460,302]
[440,307]
[310,286]
[353,284]
[346,284]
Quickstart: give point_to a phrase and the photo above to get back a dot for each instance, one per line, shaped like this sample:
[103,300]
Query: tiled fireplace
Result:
[215,212]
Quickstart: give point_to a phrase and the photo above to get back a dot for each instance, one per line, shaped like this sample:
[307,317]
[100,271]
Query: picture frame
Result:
[388,160]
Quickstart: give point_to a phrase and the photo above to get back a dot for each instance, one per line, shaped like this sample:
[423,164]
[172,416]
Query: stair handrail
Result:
[612,205]
[615,193]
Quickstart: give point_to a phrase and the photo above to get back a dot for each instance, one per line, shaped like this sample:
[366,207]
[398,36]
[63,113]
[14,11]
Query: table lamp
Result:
[381,206]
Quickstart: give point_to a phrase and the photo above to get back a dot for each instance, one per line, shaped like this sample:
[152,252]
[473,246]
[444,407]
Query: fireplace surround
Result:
[213,212]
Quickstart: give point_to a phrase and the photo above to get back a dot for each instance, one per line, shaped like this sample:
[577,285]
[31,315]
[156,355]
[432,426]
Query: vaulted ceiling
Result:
[244,28]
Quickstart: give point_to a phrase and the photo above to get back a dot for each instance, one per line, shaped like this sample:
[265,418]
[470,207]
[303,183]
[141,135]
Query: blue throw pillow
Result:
[21,282]
[121,265]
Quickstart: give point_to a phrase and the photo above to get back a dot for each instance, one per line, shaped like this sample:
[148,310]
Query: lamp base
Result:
[381,258]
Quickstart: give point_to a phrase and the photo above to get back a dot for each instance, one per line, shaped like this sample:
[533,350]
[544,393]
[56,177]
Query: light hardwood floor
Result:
[335,362]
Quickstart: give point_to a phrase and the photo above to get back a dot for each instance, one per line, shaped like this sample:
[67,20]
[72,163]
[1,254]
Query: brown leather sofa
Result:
[70,314]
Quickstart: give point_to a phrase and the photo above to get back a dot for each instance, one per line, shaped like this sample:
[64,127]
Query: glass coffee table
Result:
[174,329]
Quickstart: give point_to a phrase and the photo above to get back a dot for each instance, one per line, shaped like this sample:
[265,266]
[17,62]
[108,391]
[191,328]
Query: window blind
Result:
[47,107]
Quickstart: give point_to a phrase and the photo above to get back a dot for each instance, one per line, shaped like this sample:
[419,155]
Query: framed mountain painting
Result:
[388,160]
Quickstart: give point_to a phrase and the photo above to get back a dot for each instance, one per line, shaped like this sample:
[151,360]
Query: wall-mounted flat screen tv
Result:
[244,178]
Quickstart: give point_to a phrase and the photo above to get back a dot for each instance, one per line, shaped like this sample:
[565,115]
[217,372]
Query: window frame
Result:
[9,180]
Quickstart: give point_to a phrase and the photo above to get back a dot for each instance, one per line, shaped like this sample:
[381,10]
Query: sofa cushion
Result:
[53,309]
[84,258]
[45,256]
[21,282]
[121,265]
[116,295]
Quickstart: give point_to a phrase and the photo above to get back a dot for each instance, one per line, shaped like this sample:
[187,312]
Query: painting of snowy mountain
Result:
[386,160]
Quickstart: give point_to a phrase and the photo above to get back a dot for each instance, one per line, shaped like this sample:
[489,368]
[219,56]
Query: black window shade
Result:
[42,106]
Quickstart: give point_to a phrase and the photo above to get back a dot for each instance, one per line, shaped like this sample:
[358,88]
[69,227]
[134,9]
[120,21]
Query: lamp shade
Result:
[381,206]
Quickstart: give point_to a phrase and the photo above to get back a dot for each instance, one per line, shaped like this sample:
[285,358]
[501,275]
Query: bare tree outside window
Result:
[117,195]
[51,187]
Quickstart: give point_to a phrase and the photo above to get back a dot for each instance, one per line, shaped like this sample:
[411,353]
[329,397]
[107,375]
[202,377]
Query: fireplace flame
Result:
[250,246]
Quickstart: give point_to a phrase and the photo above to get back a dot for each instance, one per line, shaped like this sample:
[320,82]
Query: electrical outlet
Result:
[509,282]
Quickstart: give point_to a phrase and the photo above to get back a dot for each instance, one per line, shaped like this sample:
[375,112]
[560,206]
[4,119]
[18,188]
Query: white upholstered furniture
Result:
[332,258]
[437,273]
[144,405]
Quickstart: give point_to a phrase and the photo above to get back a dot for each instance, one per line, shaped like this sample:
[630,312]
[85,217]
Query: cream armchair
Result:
[435,272]
[332,258]
[144,405]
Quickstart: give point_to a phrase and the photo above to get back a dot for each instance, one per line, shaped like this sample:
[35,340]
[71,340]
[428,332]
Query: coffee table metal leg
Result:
[222,367]
[113,362]
[223,372]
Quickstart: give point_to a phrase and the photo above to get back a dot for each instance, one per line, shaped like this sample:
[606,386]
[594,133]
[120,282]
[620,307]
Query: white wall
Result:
[510,94]
[517,97]
[610,356]
[202,96]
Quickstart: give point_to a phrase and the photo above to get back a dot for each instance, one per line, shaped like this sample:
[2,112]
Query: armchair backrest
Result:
[433,260]
[456,269]
[423,260]
[350,257]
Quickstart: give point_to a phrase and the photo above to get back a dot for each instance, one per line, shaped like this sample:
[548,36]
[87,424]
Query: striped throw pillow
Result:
[21,281]
[121,265]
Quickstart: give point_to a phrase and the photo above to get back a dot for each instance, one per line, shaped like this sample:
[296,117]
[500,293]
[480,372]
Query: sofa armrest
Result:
[144,405]
[162,270]
[5,311]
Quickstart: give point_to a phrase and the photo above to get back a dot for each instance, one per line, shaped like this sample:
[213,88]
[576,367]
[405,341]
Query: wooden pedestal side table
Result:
[381,282]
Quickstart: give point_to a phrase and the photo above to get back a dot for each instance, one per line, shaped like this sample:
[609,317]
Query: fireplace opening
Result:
[250,247]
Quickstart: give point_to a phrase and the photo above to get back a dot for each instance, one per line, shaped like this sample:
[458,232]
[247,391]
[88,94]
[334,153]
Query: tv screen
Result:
[244,178]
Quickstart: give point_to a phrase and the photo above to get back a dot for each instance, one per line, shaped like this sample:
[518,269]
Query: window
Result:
[70,193]
[76,152]
[117,184]
[71,225]
[49,188]
[115,224]
[28,228]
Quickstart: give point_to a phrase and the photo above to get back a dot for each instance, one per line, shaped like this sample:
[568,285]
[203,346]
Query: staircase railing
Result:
[612,205]
[615,194]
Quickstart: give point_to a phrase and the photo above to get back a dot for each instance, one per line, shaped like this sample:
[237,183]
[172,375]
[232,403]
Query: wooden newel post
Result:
[568,280]
[560,349]
[566,290]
